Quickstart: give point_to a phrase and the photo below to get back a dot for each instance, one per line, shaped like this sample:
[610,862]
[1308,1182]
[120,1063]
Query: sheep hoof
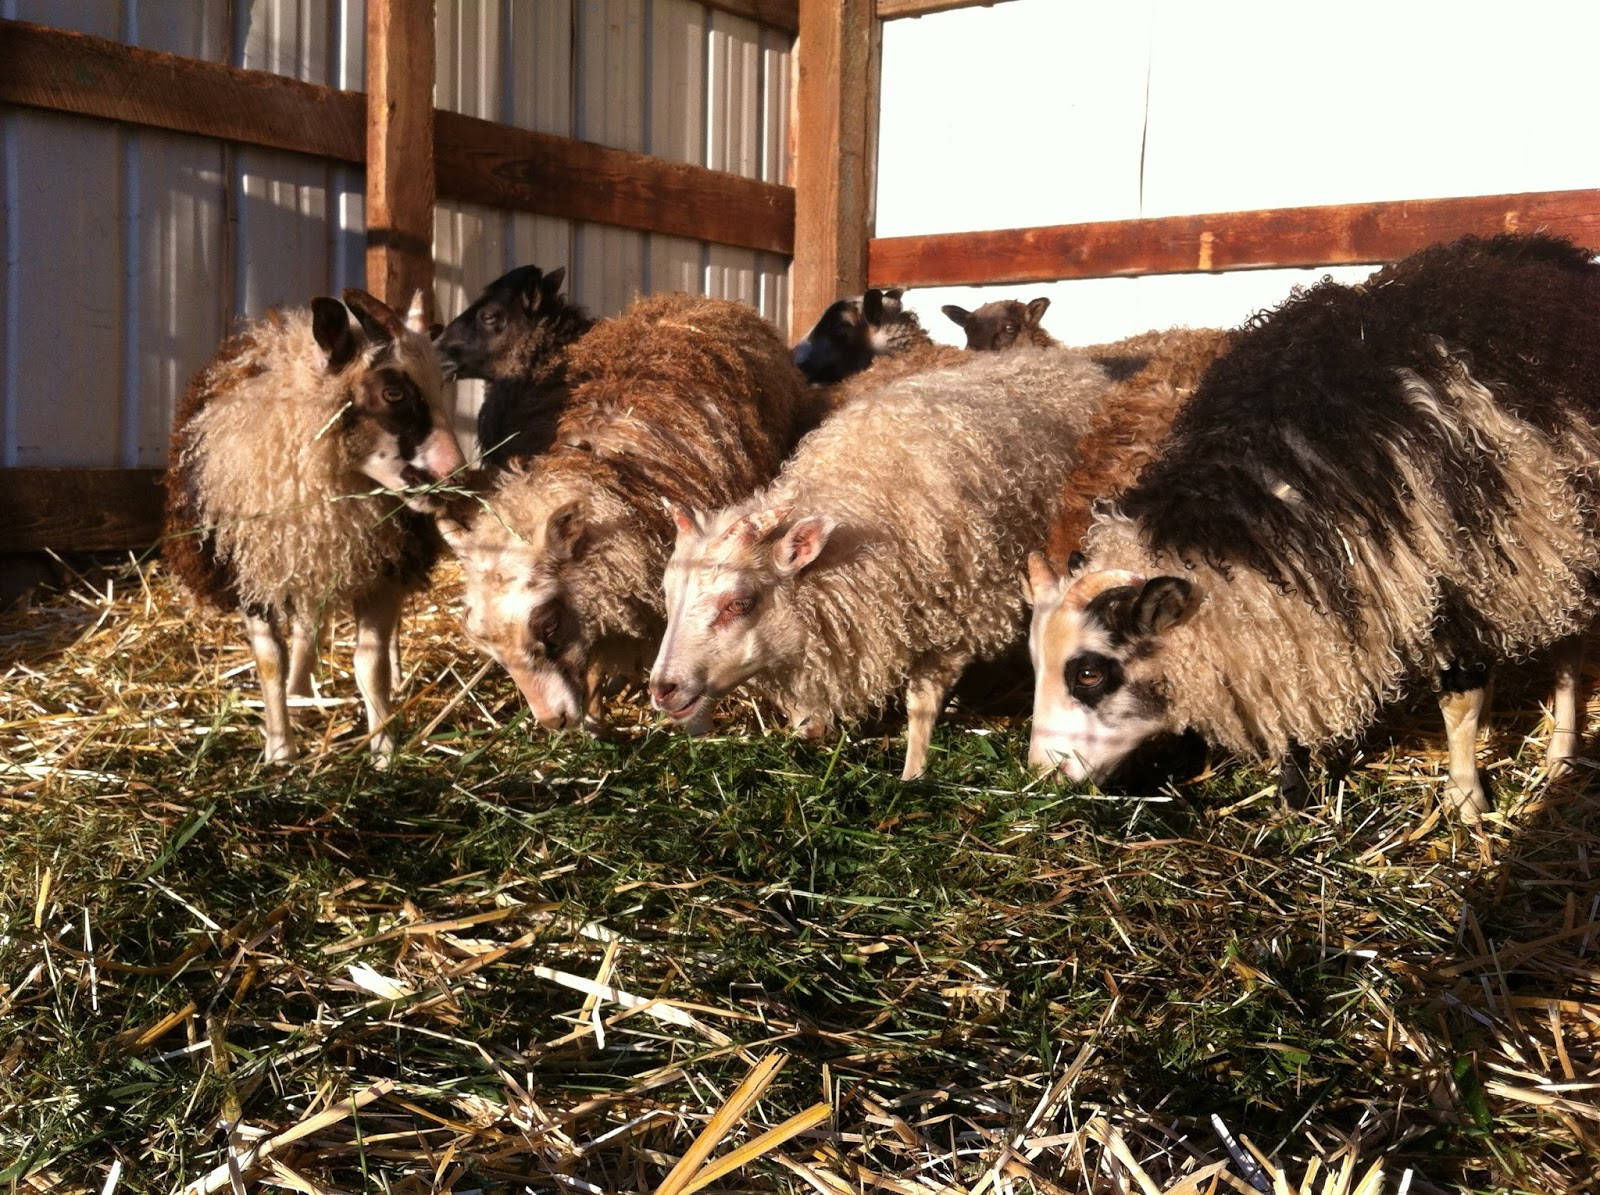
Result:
[913,769]
[383,752]
[280,754]
[811,728]
[1469,801]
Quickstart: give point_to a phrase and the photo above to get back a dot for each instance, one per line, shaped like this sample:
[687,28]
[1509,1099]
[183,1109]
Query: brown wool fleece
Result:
[691,399]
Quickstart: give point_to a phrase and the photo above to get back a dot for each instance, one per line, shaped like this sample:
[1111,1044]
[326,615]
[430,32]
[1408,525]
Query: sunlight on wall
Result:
[1033,112]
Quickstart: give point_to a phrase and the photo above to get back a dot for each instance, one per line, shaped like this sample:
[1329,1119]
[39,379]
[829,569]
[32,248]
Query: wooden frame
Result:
[474,160]
[399,151]
[1344,234]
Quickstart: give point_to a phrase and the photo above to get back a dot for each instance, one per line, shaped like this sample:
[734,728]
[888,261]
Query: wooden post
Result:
[836,150]
[400,179]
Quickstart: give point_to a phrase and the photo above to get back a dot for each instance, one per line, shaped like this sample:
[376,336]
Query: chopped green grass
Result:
[547,962]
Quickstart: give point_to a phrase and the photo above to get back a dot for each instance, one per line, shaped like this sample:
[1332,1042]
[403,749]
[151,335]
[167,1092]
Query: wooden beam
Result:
[89,76]
[1344,234]
[400,151]
[889,10]
[483,162]
[777,14]
[837,55]
[474,160]
[79,510]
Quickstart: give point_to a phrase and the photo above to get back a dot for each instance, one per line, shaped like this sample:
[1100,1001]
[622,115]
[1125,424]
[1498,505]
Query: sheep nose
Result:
[662,692]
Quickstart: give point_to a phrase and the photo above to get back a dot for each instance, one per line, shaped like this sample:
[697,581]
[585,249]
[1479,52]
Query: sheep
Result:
[690,397]
[1374,483]
[1002,323]
[854,332]
[884,556]
[270,504]
[516,336]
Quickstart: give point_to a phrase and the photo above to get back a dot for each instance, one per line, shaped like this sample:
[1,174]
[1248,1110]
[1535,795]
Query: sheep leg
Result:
[1462,708]
[377,623]
[266,644]
[1566,707]
[925,694]
[302,654]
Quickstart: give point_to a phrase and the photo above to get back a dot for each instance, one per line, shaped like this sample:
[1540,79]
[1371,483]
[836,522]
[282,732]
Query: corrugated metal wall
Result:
[128,253]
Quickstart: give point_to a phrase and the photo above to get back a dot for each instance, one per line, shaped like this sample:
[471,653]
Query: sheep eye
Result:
[1011,329]
[1089,677]
[735,607]
[491,319]
[393,394]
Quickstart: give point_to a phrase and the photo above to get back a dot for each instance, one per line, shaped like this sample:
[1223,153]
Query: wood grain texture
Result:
[776,14]
[838,54]
[79,510]
[474,160]
[889,10]
[1342,234]
[482,162]
[90,76]
[400,150]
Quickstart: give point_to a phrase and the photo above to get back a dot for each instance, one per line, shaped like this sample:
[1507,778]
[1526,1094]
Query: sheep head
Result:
[517,561]
[729,594]
[513,320]
[393,426]
[999,324]
[852,332]
[1096,643]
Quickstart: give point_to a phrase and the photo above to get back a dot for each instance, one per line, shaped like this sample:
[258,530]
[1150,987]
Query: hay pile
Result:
[746,964]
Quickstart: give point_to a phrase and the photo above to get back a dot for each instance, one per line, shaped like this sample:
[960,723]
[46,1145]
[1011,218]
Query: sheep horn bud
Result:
[1086,588]
[754,528]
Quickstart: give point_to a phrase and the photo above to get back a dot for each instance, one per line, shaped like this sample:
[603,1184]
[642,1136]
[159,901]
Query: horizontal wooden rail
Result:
[80,510]
[889,10]
[1344,234]
[475,160]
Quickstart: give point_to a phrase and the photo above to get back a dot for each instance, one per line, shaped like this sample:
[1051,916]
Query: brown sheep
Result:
[692,398]
[271,505]
[1002,323]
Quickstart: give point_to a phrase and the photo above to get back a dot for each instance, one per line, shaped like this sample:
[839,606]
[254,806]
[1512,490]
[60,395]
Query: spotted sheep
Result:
[1002,323]
[562,553]
[516,336]
[1374,484]
[300,464]
[883,559]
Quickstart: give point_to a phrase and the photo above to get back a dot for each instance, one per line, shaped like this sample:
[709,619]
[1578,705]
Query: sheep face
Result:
[1097,646]
[520,610]
[997,325]
[729,611]
[496,336]
[393,427]
[850,334]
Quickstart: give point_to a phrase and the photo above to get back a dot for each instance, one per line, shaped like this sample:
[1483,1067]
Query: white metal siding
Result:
[129,252]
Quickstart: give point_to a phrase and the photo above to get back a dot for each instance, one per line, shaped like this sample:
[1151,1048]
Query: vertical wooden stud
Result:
[400,181]
[837,54]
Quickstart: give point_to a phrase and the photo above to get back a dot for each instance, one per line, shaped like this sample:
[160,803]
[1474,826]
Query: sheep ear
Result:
[551,286]
[454,520]
[1162,604]
[532,289]
[682,519]
[1041,577]
[564,530]
[1036,310]
[894,293]
[330,324]
[958,315]
[1075,563]
[802,544]
[872,306]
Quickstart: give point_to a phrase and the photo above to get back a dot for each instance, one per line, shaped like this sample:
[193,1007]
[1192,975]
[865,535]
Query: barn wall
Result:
[130,252]
[1045,112]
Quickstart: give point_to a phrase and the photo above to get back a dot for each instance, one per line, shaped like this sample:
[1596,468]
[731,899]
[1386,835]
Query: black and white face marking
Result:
[1095,646]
